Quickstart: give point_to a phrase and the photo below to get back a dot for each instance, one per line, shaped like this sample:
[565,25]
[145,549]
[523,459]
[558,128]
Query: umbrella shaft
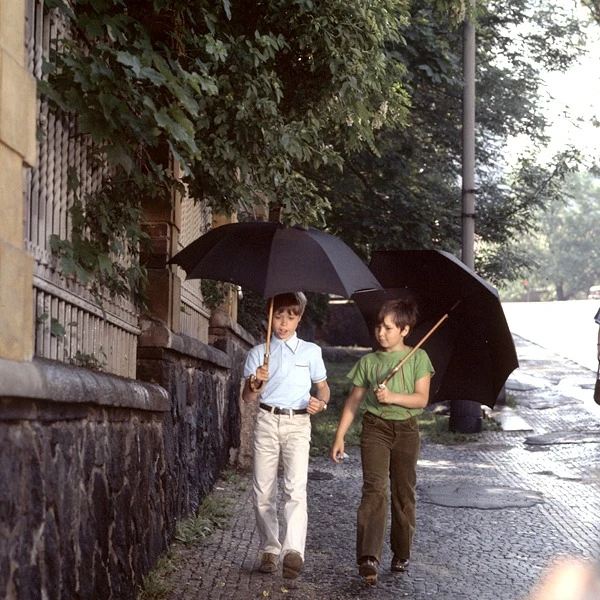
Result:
[416,347]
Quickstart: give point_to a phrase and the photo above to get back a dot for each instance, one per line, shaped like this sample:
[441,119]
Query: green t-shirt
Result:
[374,367]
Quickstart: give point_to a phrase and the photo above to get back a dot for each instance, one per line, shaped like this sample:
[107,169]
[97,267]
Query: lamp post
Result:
[465,415]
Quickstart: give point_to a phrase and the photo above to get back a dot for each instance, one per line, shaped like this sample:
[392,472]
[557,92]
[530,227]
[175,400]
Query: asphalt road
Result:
[566,328]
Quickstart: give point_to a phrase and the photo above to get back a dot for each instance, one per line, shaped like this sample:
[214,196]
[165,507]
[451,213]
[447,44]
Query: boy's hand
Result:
[383,395]
[337,452]
[315,405]
[262,373]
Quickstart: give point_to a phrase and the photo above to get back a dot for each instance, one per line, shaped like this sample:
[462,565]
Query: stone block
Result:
[11,197]
[16,303]
[17,108]
[12,19]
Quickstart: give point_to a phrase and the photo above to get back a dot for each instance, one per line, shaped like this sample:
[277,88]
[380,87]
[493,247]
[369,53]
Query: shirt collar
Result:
[291,343]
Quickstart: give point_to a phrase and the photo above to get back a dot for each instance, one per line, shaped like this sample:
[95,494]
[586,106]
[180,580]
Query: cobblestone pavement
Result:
[491,514]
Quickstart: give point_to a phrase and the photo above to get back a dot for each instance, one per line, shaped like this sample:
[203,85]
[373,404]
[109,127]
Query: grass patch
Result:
[511,400]
[338,362]
[324,426]
[155,585]
[435,428]
[211,515]
[240,481]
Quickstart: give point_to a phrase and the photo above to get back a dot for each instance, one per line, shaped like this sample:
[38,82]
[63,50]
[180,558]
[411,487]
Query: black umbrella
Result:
[270,259]
[471,347]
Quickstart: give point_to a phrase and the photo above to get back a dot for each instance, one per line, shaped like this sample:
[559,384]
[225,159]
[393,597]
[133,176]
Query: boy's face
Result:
[389,335]
[285,323]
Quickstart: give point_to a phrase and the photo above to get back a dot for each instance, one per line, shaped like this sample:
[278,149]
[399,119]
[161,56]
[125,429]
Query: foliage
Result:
[214,293]
[89,361]
[408,194]
[245,97]
[104,230]
[594,7]
[57,329]
[564,248]
[252,314]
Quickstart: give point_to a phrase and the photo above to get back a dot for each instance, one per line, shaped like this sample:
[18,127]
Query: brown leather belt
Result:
[283,411]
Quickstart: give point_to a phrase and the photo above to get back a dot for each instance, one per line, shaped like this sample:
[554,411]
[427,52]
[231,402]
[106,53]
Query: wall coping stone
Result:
[54,381]
[155,334]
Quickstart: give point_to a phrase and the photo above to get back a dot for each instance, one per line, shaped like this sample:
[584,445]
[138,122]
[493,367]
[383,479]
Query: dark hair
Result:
[403,311]
[295,302]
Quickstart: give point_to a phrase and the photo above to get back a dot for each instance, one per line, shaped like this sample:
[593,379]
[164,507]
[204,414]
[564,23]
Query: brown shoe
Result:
[367,568]
[268,563]
[292,565]
[399,565]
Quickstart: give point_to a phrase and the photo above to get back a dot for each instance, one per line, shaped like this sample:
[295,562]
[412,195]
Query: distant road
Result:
[566,328]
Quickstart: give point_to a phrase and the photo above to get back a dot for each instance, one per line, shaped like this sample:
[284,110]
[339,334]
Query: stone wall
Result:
[96,470]
[229,337]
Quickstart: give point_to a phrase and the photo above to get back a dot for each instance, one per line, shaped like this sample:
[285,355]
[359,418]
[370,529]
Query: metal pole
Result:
[468,135]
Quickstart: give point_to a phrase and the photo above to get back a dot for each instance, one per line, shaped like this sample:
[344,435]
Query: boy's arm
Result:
[319,401]
[418,399]
[351,407]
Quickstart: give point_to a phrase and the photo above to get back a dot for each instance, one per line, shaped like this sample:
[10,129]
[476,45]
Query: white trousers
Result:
[289,437]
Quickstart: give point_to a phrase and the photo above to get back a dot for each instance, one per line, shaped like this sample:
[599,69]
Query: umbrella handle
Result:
[253,385]
[421,342]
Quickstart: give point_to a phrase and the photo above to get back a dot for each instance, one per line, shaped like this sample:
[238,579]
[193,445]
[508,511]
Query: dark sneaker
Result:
[399,565]
[292,565]
[268,563]
[367,568]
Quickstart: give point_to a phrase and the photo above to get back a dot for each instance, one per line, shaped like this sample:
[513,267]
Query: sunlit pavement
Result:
[491,514]
[566,328]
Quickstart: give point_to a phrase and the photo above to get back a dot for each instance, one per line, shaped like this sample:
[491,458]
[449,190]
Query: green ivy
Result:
[214,293]
[105,227]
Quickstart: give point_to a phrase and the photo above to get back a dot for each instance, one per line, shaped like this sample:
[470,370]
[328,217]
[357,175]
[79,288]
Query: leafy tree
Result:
[594,6]
[244,96]
[408,194]
[565,248]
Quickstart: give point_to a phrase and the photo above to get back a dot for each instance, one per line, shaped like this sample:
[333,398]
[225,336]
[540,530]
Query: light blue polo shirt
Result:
[294,365]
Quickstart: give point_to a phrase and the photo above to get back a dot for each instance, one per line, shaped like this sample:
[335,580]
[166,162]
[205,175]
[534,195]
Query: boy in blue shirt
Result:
[283,430]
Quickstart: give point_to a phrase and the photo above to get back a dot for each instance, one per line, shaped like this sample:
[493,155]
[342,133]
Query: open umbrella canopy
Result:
[473,351]
[270,258]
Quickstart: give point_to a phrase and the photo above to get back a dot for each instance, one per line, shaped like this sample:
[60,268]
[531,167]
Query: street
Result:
[566,328]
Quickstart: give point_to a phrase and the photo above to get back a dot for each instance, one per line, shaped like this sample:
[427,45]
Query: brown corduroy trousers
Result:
[389,452]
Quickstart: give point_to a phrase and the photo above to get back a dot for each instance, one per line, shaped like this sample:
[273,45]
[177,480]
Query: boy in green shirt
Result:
[390,436]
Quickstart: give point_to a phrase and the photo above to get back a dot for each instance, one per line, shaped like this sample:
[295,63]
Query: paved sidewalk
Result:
[491,514]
